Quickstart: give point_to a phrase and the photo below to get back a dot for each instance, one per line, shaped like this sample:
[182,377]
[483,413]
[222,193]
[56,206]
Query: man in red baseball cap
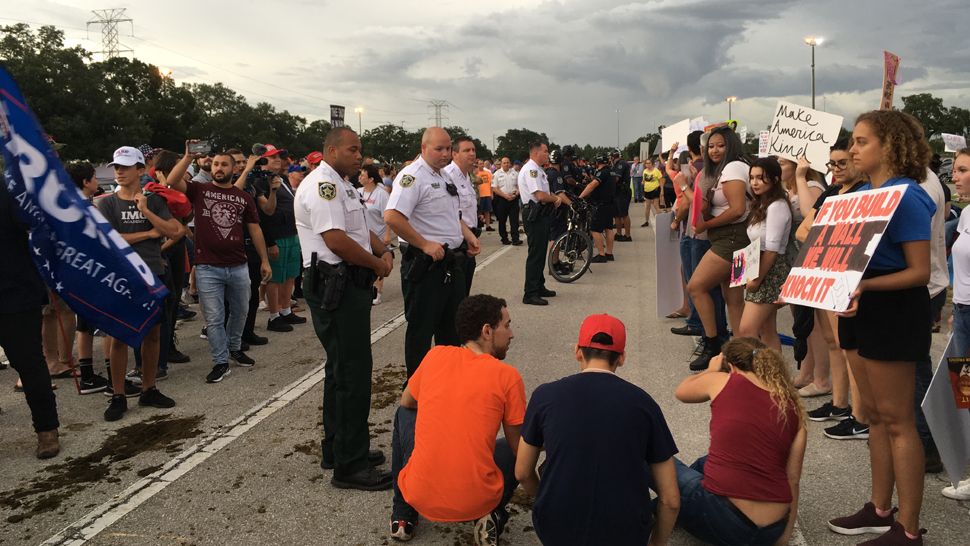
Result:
[313,159]
[607,444]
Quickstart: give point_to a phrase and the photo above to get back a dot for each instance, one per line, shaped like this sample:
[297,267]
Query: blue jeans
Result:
[961,329]
[691,252]
[218,286]
[402,444]
[638,188]
[712,518]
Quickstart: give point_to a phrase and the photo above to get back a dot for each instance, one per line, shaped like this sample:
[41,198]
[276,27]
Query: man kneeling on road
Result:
[446,462]
[606,443]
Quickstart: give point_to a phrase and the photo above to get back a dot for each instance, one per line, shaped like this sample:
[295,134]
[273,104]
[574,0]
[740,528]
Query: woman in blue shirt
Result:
[888,326]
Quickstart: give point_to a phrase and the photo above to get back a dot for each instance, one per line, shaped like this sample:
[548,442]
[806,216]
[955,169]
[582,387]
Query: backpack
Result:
[178,203]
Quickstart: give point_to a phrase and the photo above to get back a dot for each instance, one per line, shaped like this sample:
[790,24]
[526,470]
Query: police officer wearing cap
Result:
[460,170]
[435,243]
[601,191]
[342,258]
[537,211]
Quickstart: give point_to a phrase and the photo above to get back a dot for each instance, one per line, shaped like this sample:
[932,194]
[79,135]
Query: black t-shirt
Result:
[606,189]
[621,173]
[125,218]
[555,181]
[600,433]
[282,223]
[833,190]
[21,288]
[572,176]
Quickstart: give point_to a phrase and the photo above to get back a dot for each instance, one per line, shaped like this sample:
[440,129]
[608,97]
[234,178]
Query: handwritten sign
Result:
[763,139]
[840,244]
[799,130]
[953,143]
[746,264]
[698,124]
[676,133]
[890,69]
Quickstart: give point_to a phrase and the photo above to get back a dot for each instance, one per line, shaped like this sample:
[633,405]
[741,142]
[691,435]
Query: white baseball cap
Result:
[127,156]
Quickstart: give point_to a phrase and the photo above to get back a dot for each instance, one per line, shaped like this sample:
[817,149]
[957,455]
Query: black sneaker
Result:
[116,408]
[176,356]
[402,530]
[293,318]
[599,259]
[185,314]
[369,479]
[486,530]
[828,412]
[711,348]
[152,397]
[374,458]
[506,242]
[243,346]
[204,334]
[218,373]
[93,384]
[253,339]
[848,429]
[685,331]
[161,374]
[241,359]
[131,390]
[279,324]
[610,258]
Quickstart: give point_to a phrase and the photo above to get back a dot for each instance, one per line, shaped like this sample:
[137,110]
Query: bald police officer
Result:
[463,164]
[342,258]
[435,242]
[537,208]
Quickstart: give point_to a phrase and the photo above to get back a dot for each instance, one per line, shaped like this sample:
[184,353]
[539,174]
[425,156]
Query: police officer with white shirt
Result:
[462,165]
[505,191]
[342,258]
[435,242]
[538,205]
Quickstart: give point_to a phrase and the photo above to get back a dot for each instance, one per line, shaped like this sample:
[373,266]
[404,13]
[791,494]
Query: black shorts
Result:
[669,196]
[889,325]
[603,219]
[84,326]
[622,203]
[653,194]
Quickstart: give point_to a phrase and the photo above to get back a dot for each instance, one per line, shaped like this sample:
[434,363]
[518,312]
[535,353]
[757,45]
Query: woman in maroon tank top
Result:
[745,490]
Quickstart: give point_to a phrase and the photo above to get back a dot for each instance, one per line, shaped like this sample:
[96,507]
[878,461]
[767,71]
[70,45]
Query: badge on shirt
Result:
[352,194]
[406,181]
[435,185]
[533,173]
[327,190]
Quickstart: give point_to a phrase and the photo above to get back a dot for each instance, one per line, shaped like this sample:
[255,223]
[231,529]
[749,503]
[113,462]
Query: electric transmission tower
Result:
[440,111]
[109,19]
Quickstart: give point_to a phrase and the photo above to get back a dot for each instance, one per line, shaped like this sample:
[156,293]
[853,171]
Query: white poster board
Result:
[799,130]
[746,264]
[953,143]
[644,150]
[950,426]
[670,290]
[698,124]
[743,133]
[763,137]
[675,133]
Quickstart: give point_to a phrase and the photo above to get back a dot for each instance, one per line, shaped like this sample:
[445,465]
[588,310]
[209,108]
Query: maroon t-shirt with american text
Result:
[220,215]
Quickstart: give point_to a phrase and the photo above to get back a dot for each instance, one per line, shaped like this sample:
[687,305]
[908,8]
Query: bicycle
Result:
[574,249]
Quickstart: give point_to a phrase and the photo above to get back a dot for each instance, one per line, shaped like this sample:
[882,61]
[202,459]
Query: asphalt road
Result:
[237,462]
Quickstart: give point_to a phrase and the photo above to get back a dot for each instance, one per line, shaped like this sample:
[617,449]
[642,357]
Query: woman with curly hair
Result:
[770,222]
[745,490]
[888,326]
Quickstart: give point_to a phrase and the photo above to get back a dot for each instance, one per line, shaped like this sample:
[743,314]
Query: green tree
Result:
[390,142]
[515,143]
[632,149]
[481,150]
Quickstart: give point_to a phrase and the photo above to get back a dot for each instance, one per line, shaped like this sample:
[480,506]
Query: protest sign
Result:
[77,253]
[839,246]
[960,380]
[949,424]
[336,115]
[890,69]
[670,291]
[675,133]
[743,133]
[645,150]
[799,130]
[953,143]
[763,137]
[698,124]
[746,265]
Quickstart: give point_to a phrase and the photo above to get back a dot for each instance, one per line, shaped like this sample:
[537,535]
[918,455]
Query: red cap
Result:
[314,158]
[603,324]
[271,151]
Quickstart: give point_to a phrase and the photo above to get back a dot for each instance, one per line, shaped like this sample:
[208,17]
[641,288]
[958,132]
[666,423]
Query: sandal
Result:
[676,314]
[812,390]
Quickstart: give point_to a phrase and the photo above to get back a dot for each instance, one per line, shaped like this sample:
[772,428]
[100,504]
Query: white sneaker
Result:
[376,300]
[134,376]
[960,492]
[262,305]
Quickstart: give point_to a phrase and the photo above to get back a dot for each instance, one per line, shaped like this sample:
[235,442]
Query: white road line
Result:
[139,492]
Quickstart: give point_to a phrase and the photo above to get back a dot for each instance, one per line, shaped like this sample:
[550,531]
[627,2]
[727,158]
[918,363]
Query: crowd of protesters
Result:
[222,230]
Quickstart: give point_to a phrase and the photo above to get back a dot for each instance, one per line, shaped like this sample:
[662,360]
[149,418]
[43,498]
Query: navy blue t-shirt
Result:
[910,222]
[600,433]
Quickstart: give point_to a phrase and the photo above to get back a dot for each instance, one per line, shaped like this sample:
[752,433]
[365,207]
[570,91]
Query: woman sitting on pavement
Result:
[745,490]
[770,222]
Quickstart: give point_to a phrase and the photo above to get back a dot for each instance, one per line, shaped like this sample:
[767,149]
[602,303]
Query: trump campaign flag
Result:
[80,257]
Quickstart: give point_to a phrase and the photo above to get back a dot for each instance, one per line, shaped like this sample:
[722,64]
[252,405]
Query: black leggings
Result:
[21,341]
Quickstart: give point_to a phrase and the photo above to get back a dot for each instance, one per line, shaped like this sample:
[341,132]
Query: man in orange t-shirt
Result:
[485,195]
[447,464]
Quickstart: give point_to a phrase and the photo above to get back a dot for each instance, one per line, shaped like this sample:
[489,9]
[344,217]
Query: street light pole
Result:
[360,112]
[617,128]
[730,100]
[813,41]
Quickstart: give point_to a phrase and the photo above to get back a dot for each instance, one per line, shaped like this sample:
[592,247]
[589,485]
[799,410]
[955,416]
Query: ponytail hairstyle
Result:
[771,170]
[751,355]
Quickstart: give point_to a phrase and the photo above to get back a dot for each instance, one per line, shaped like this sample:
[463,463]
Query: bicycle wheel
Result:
[574,250]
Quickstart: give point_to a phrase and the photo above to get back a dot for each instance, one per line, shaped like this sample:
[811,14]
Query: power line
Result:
[440,110]
[109,19]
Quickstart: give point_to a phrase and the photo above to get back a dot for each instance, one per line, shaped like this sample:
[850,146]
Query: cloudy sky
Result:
[560,67]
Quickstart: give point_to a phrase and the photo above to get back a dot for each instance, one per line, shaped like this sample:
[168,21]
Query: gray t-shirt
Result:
[125,218]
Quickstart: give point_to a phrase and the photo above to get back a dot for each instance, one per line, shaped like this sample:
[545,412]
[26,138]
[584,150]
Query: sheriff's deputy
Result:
[423,211]
[343,258]
[537,207]
[461,168]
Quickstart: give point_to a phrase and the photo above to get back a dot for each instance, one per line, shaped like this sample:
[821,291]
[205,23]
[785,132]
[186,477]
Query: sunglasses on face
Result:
[452,189]
[840,164]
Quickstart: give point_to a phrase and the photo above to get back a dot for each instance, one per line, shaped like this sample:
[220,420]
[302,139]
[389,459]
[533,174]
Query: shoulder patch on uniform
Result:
[533,173]
[327,190]
[406,181]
